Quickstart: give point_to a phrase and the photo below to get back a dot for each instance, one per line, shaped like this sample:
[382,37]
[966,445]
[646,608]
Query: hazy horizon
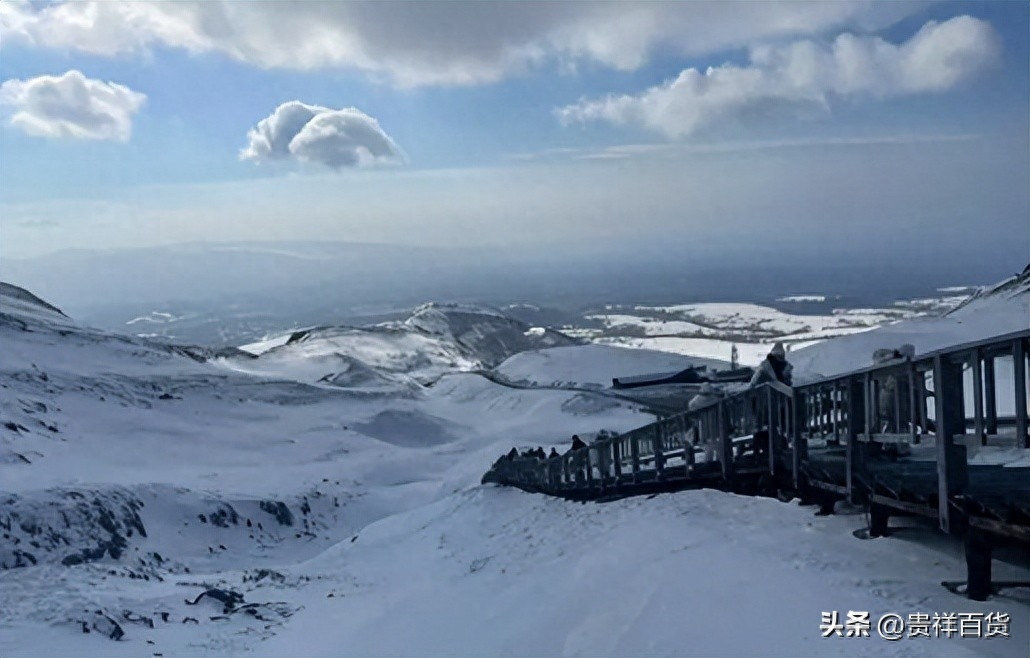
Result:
[791,132]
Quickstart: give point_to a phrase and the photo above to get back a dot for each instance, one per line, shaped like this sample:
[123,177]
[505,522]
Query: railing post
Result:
[856,417]
[869,397]
[1019,377]
[990,395]
[688,447]
[836,412]
[798,407]
[634,454]
[897,403]
[978,396]
[773,405]
[913,414]
[922,394]
[589,467]
[617,458]
[951,420]
[725,442]
[659,454]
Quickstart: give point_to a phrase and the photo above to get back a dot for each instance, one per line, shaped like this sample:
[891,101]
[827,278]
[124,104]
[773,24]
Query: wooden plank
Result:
[886,437]
[829,486]
[1020,532]
[905,506]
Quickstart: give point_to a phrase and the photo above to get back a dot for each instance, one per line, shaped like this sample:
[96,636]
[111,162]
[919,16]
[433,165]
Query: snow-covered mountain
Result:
[159,459]
[326,503]
[436,339]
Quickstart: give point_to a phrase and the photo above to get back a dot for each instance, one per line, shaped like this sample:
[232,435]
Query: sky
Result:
[793,129]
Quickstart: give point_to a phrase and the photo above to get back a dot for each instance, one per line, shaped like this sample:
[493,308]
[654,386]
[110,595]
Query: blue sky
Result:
[463,107]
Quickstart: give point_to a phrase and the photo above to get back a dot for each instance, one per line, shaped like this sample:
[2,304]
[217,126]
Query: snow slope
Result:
[117,450]
[351,520]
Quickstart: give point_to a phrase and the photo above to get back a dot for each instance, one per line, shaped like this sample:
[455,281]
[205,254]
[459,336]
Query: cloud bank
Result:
[310,133]
[431,43]
[803,75]
[71,106]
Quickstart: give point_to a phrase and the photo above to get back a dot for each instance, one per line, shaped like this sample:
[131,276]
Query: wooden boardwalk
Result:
[912,436]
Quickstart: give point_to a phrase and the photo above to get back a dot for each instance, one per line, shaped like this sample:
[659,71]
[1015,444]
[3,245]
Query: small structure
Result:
[687,376]
[692,375]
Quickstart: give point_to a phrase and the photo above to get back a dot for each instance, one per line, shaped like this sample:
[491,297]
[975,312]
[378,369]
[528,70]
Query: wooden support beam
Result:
[990,395]
[1019,378]
[978,564]
[951,420]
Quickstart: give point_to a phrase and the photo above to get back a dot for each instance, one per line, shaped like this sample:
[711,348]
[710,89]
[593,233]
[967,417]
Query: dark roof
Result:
[686,376]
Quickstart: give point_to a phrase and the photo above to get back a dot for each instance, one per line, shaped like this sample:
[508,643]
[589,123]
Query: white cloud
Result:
[803,75]
[427,43]
[310,133]
[71,105]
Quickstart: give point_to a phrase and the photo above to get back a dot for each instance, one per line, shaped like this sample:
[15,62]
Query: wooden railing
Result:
[783,432]
[893,437]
